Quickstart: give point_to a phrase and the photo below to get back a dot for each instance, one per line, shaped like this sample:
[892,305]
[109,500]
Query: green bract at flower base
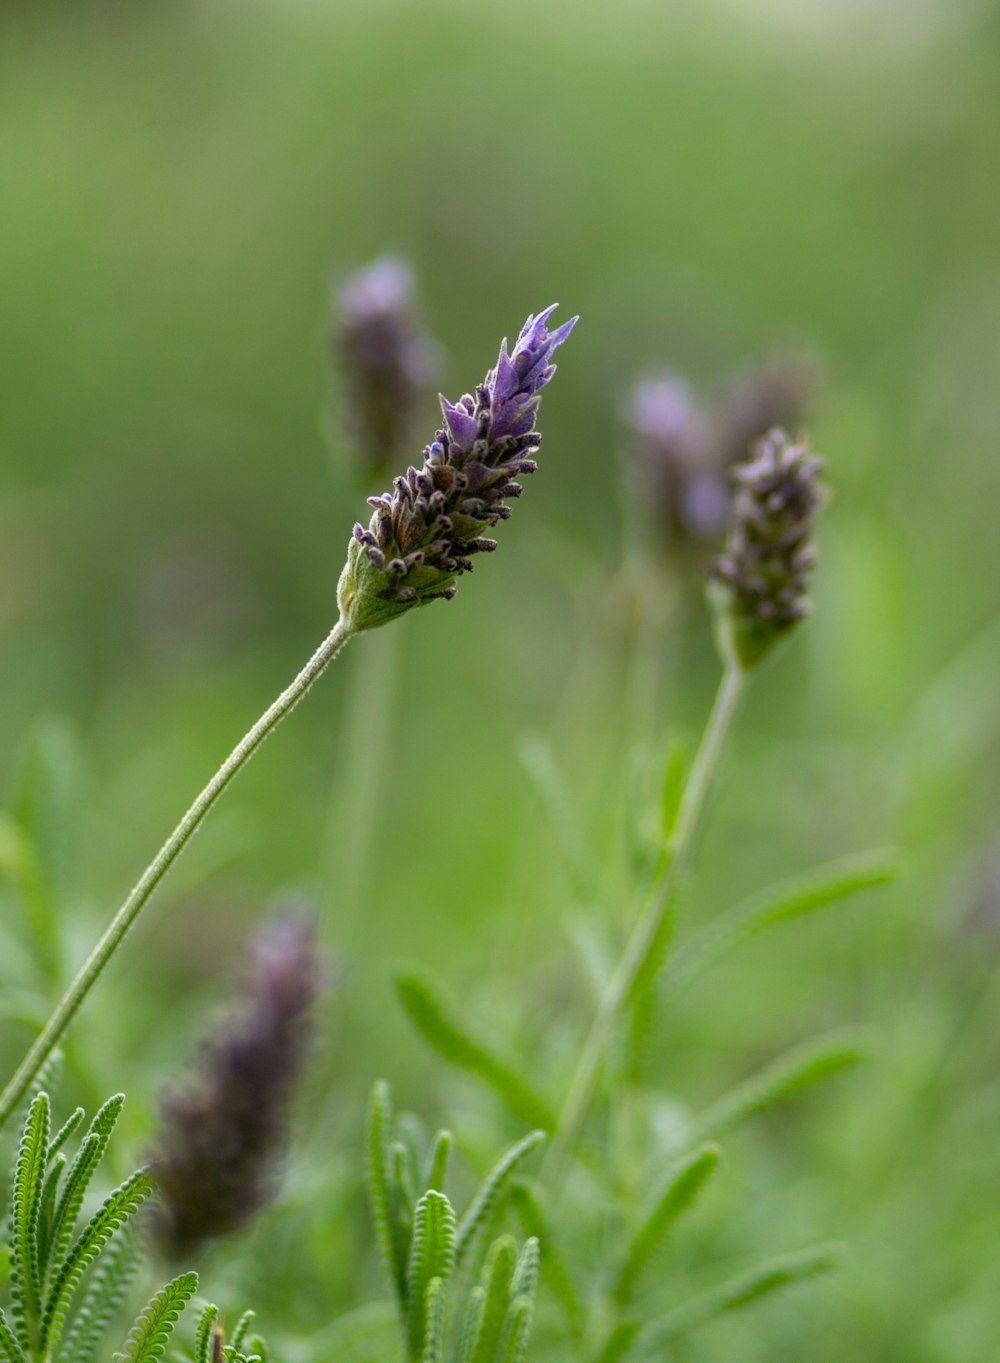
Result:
[423,534]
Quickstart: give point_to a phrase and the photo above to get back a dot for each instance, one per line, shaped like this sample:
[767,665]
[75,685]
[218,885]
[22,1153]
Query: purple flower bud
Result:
[224,1126]
[761,576]
[387,360]
[422,535]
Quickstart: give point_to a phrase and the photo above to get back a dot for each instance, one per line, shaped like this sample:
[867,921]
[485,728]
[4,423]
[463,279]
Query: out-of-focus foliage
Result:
[704,184]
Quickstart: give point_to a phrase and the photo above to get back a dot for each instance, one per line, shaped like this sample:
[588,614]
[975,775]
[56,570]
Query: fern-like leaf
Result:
[65,1131]
[81,1171]
[433,1349]
[10,1347]
[104,1294]
[437,1162]
[123,1203]
[438,1021]
[495,1285]
[26,1200]
[148,1338]
[380,1188]
[738,1292]
[239,1335]
[432,1255]
[835,883]
[680,1191]
[782,1078]
[516,1331]
[524,1281]
[486,1198]
[203,1333]
[556,1275]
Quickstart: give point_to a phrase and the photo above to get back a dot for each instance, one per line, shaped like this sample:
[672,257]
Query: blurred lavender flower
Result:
[684,449]
[224,1126]
[423,534]
[761,576]
[387,359]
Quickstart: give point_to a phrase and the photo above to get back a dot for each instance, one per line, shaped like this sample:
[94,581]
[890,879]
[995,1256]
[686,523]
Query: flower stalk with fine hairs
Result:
[419,541]
[224,1126]
[759,594]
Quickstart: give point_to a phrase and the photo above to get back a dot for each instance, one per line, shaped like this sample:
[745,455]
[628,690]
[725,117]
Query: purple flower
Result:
[387,360]
[761,576]
[424,533]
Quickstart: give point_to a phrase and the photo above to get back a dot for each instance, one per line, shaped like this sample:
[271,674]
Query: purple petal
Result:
[461,425]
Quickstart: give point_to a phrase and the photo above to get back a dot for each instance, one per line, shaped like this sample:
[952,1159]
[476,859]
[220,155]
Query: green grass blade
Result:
[432,1255]
[147,1340]
[493,1185]
[438,1021]
[743,1290]
[783,1078]
[680,1192]
[835,883]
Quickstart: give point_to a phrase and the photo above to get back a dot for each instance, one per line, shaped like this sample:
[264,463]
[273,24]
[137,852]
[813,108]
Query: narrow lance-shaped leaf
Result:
[438,1022]
[203,1334]
[104,1294]
[798,1069]
[432,1255]
[534,1222]
[517,1330]
[437,1162]
[738,1292]
[239,1335]
[679,1193]
[81,1171]
[834,883]
[148,1338]
[493,1185]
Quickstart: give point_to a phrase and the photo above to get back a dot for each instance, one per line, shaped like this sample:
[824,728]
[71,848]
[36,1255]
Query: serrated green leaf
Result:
[738,1292]
[433,1348]
[26,1200]
[81,1171]
[203,1333]
[240,1332]
[516,1331]
[65,1131]
[123,1203]
[46,1211]
[495,1286]
[436,1166]
[10,1348]
[491,1188]
[148,1338]
[680,1191]
[835,883]
[380,1187]
[555,1274]
[438,1021]
[432,1255]
[782,1078]
[104,1294]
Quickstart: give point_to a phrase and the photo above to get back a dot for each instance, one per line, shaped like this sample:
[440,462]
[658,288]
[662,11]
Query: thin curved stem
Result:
[92,969]
[650,925]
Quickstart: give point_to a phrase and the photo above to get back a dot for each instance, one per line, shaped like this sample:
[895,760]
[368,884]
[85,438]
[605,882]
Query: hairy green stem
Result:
[97,961]
[649,927]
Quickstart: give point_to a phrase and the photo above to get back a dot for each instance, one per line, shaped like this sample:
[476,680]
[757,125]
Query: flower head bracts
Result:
[423,534]
[761,576]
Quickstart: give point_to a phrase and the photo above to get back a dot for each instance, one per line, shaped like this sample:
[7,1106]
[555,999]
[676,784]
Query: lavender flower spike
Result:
[423,533]
[760,579]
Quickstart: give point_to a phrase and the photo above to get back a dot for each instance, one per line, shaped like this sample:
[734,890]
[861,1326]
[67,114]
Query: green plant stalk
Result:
[92,969]
[648,927]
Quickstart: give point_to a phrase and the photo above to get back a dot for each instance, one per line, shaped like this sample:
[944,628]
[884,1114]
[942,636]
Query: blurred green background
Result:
[703,183]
